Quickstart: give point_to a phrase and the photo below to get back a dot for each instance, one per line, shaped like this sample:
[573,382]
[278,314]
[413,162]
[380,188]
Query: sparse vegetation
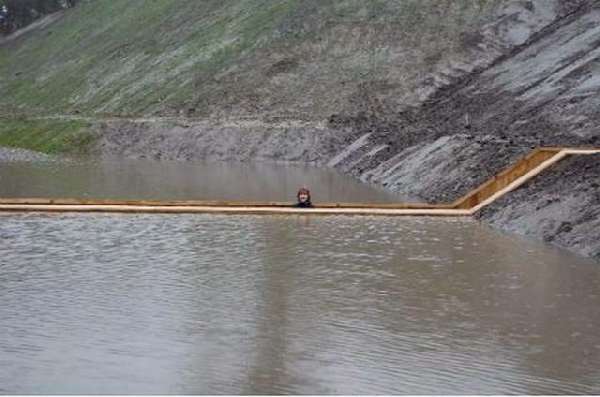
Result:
[213,57]
[47,136]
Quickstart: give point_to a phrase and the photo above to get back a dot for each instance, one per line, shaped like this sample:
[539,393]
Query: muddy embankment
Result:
[543,92]
[531,78]
[234,140]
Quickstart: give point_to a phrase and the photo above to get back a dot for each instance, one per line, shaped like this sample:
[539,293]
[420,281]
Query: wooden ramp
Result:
[511,178]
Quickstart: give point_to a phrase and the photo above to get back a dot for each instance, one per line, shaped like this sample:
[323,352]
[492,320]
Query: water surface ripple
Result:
[290,304]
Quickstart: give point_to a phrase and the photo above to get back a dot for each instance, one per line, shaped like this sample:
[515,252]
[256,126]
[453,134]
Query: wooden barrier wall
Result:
[511,178]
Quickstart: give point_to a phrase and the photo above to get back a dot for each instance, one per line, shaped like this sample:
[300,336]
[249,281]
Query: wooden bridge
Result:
[528,167]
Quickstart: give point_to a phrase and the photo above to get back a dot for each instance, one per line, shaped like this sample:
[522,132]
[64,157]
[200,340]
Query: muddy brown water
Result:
[145,304]
[172,180]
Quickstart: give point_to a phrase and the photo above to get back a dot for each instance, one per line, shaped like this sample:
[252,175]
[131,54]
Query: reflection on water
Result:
[145,179]
[290,304]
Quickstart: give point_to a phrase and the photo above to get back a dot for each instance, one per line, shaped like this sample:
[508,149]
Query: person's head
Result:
[303,195]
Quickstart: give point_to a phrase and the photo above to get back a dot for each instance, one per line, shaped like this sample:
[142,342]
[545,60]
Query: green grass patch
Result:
[47,136]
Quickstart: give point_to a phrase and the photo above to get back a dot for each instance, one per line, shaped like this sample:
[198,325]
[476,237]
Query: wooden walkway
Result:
[528,167]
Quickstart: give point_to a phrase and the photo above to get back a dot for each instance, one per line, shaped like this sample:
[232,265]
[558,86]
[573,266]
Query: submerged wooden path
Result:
[516,175]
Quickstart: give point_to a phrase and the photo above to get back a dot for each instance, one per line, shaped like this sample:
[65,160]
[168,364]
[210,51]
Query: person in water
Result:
[304,198]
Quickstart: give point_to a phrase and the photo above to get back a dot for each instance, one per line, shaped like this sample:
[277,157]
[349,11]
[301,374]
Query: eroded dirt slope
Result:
[543,92]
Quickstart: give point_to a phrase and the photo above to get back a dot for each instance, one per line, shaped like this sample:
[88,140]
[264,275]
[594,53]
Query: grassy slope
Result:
[47,136]
[305,58]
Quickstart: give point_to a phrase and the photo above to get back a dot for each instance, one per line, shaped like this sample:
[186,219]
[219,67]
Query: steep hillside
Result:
[284,58]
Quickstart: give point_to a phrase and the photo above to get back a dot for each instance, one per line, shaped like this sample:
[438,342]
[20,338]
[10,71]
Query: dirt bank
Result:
[239,140]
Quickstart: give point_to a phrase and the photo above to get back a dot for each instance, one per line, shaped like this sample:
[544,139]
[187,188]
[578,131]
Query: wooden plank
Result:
[152,203]
[504,178]
[228,210]
[519,181]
